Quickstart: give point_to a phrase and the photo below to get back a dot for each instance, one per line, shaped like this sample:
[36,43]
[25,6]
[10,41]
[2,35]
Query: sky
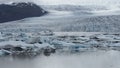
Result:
[74,2]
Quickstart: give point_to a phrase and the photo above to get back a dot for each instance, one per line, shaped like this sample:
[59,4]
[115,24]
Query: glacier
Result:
[69,18]
[72,35]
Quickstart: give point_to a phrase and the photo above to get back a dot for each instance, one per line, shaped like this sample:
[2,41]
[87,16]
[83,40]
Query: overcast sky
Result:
[75,2]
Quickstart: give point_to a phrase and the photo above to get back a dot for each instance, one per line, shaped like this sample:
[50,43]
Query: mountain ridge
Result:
[21,10]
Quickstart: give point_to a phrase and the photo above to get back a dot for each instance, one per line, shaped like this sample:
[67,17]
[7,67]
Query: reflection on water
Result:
[9,62]
[108,59]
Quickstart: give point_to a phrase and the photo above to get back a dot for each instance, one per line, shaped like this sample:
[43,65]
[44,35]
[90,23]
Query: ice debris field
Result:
[48,42]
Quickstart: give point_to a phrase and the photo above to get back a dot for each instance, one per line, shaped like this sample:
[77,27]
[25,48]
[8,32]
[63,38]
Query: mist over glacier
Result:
[74,2]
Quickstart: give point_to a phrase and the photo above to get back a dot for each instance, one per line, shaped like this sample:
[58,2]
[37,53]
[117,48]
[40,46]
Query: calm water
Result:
[109,59]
